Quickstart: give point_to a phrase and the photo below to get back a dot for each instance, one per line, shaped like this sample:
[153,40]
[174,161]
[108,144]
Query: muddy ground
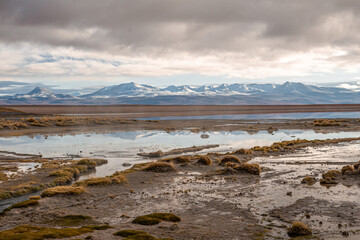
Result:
[214,201]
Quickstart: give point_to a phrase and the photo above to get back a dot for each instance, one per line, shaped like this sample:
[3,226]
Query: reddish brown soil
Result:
[186,110]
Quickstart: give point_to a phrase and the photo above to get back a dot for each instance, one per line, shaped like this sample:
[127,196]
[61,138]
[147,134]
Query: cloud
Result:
[236,38]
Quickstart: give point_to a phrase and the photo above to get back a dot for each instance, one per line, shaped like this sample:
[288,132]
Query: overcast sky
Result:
[91,42]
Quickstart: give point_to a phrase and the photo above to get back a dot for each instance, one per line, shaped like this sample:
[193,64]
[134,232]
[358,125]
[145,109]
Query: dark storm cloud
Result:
[188,25]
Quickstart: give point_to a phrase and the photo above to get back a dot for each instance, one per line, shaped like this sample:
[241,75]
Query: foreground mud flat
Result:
[246,194]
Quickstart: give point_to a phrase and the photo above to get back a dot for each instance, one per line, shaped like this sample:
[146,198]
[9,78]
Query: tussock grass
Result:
[178,159]
[24,204]
[156,218]
[116,178]
[325,123]
[62,190]
[21,189]
[299,229]
[203,160]
[228,159]
[159,167]
[308,180]
[328,181]
[3,177]
[98,181]
[332,174]
[243,151]
[252,168]
[92,163]
[347,169]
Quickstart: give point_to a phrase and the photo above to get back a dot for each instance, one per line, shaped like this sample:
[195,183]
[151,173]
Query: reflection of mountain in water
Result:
[134,135]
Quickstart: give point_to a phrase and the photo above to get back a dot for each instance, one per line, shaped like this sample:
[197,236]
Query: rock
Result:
[289,193]
[175,226]
[299,229]
[204,136]
[308,180]
[126,164]
[345,233]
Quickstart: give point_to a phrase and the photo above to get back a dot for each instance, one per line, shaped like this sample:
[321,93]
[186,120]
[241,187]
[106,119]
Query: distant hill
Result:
[224,94]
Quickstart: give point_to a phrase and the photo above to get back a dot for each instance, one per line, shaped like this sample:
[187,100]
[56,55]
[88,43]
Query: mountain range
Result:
[224,94]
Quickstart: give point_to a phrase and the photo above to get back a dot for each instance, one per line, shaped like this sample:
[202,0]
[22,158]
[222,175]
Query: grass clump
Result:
[308,180]
[23,204]
[3,177]
[73,220]
[346,169]
[118,178]
[325,123]
[252,168]
[98,181]
[92,163]
[327,181]
[62,190]
[98,227]
[332,174]
[243,151]
[203,160]
[228,159]
[156,218]
[159,167]
[299,229]
[357,165]
[127,233]
[28,232]
[178,159]
[155,154]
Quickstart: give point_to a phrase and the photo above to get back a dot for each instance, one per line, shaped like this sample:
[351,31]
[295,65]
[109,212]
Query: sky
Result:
[71,44]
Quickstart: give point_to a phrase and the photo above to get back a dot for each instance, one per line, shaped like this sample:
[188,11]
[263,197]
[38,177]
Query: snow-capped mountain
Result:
[142,90]
[125,89]
[39,92]
[236,94]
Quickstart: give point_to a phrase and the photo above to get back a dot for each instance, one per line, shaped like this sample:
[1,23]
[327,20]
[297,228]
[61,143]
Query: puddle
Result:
[122,147]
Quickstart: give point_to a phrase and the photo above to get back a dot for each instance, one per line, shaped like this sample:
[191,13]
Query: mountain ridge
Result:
[217,94]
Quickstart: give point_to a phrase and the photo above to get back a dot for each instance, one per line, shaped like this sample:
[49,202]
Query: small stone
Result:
[289,193]
[126,164]
[345,233]
[175,226]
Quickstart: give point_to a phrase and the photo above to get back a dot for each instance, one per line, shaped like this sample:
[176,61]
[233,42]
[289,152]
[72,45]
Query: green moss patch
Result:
[27,232]
[156,218]
[98,227]
[137,235]
[127,233]
[73,220]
